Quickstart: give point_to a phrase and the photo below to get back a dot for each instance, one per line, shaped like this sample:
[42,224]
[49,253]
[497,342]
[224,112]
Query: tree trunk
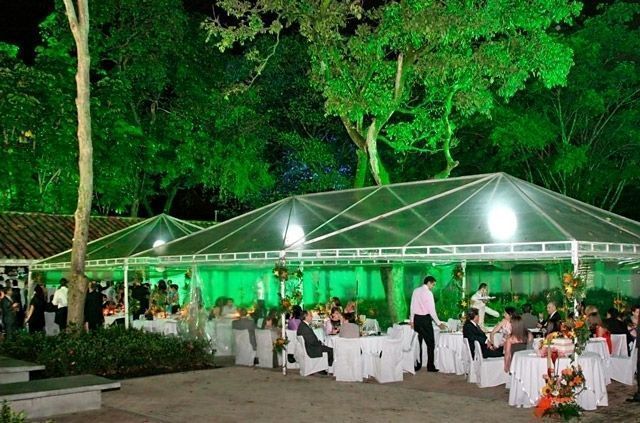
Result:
[380,174]
[393,283]
[170,197]
[79,24]
[361,169]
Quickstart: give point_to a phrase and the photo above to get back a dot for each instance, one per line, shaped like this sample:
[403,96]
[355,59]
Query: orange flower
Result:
[579,324]
[543,405]
[567,278]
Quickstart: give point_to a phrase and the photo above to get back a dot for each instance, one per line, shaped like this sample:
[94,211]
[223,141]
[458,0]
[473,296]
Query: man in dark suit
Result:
[245,323]
[613,323]
[552,323]
[311,342]
[93,308]
[472,332]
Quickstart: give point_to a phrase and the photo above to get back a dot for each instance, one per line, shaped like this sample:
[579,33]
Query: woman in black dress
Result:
[35,315]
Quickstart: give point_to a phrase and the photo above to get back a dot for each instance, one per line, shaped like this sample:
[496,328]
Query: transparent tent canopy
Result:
[492,216]
[114,248]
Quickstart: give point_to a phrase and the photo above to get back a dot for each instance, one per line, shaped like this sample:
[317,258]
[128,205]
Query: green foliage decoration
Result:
[7,415]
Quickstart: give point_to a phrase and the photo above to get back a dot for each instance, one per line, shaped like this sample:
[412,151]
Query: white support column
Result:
[464,278]
[284,327]
[302,286]
[29,289]
[126,294]
[575,261]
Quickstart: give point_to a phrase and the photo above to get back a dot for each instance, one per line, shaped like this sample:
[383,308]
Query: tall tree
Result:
[582,140]
[404,72]
[78,16]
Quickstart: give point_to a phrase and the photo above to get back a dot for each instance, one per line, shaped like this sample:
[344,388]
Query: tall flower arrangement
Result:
[292,284]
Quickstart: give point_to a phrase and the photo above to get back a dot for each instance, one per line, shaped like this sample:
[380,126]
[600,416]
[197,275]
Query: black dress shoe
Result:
[323,372]
[635,398]
[417,367]
[433,370]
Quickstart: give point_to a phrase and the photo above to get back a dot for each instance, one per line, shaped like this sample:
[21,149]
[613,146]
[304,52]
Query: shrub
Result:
[7,415]
[114,352]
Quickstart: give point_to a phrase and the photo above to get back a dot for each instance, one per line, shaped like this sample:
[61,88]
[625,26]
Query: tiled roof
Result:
[34,236]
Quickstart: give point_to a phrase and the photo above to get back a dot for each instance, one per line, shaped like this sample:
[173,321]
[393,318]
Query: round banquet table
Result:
[163,326]
[527,369]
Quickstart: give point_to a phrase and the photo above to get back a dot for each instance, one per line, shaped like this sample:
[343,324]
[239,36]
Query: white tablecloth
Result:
[369,345]
[108,320]
[163,326]
[527,370]
[619,346]
[598,346]
[449,353]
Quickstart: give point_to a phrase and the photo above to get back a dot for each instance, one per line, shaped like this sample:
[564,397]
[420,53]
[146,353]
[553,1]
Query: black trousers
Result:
[329,352]
[638,373]
[423,325]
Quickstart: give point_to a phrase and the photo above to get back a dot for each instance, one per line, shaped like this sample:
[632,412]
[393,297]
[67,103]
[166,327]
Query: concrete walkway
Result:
[241,394]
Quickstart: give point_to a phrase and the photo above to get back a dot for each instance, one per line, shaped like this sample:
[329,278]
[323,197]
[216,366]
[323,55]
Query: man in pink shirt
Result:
[423,313]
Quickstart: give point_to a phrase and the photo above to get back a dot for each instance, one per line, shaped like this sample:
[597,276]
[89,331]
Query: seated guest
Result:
[598,330]
[311,342]
[471,330]
[348,326]
[552,323]
[332,323]
[517,340]
[229,310]
[632,324]
[244,322]
[350,307]
[503,328]
[216,310]
[613,322]
[270,323]
[334,302]
[528,319]
[173,298]
[295,319]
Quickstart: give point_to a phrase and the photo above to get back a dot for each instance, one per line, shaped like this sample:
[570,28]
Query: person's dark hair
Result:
[482,285]
[15,283]
[304,314]
[472,313]
[510,310]
[429,279]
[518,330]
[174,286]
[296,311]
[39,292]
[350,317]
[635,307]
[334,309]
[526,308]
[336,301]
[63,282]
[613,312]
[268,318]
[162,285]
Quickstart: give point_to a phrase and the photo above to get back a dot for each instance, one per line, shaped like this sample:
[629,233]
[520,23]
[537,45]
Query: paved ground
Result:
[240,394]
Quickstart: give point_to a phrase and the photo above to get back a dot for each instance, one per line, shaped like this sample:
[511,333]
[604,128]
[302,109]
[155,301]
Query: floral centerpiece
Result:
[292,286]
[573,286]
[280,344]
[558,395]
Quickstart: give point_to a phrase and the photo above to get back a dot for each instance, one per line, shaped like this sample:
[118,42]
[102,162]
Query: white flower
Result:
[555,393]
[563,382]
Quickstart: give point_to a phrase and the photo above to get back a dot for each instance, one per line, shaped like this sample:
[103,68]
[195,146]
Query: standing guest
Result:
[423,314]
[93,317]
[635,312]
[332,323]
[295,319]
[173,298]
[312,344]
[35,314]
[8,310]
[60,301]
[348,326]
[528,319]
[517,340]
[632,324]
[16,296]
[479,302]
[140,294]
[472,332]
[244,322]
[552,323]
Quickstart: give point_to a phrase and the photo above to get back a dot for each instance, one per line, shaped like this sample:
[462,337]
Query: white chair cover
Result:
[619,346]
[243,350]
[489,371]
[292,348]
[410,347]
[170,327]
[264,348]
[307,364]
[388,366]
[469,363]
[622,369]
[347,360]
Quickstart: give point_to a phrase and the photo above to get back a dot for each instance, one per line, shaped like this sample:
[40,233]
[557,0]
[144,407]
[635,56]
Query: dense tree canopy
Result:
[403,72]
